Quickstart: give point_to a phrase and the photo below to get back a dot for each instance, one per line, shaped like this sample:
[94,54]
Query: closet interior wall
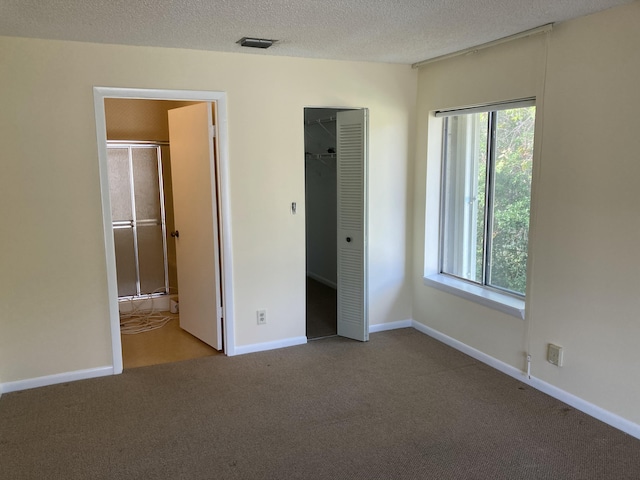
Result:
[321,194]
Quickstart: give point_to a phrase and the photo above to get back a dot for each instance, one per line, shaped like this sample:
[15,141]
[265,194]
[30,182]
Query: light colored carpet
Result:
[402,406]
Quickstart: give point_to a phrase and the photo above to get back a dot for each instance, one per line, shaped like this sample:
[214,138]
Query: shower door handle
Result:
[175,234]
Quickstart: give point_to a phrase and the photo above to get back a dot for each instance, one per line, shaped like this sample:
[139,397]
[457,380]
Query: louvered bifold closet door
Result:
[352,209]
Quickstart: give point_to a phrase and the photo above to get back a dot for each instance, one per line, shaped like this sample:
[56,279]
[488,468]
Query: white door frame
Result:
[219,100]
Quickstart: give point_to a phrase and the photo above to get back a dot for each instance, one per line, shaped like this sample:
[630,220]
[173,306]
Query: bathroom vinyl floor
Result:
[163,345]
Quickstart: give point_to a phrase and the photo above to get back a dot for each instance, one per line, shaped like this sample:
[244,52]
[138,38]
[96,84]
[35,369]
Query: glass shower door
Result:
[138,216]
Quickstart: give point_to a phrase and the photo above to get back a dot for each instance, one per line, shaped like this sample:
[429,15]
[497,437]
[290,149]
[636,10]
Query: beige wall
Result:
[511,71]
[584,262]
[52,272]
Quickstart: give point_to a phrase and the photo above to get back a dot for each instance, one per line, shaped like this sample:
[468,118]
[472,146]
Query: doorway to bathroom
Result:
[163,178]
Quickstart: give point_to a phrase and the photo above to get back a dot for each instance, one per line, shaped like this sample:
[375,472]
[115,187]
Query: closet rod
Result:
[319,156]
[321,120]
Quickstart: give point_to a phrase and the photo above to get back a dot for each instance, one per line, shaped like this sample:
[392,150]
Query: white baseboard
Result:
[321,279]
[57,378]
[472,352]
[383,327]
[262,347]
[578,403]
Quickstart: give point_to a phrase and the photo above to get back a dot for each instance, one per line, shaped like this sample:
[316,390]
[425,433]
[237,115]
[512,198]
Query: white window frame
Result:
[513,305]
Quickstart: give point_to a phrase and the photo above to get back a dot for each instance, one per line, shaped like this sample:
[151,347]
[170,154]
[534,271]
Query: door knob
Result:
[348,239]
[175,234]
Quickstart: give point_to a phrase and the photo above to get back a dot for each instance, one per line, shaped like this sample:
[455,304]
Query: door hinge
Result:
[212,131]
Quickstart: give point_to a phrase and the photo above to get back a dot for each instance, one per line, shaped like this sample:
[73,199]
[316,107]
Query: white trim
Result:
[220,99]
[263,347]
[54,379]
[578,403]
[107,230]
[321,279]
[477,293]
[226,249]
[472,352]
[383,327]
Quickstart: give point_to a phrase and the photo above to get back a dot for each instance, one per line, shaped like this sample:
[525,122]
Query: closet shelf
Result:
[319,156]
[321,121]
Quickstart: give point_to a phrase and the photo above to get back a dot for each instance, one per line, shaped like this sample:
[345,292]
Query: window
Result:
[485,195]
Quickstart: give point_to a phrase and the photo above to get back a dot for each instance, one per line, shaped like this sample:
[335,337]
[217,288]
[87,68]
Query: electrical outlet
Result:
[262,317]
[554,354]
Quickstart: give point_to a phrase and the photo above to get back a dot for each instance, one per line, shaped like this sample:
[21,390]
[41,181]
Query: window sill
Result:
[484,296]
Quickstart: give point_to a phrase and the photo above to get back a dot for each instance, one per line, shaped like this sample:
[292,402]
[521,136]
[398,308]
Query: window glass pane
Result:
[511,198]
[464,195]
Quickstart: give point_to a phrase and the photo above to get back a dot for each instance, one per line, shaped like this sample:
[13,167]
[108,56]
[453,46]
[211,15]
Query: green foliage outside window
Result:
[511,198]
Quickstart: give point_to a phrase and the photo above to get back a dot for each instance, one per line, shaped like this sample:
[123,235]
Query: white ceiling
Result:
[396,31]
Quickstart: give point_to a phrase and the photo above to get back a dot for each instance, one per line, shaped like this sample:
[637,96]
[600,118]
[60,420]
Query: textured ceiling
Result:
[396,31]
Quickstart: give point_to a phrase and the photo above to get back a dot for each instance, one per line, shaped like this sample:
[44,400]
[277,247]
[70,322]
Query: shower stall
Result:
[138,216]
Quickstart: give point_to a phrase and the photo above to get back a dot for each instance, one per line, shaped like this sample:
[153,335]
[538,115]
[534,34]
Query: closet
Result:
[321,221]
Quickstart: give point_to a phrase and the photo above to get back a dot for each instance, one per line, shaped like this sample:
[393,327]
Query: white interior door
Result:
[351,133]
[191,137]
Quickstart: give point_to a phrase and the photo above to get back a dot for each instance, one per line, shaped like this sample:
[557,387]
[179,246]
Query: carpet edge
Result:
[599,413]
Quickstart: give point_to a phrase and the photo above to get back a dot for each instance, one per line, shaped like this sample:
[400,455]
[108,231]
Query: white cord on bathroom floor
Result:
[137,321]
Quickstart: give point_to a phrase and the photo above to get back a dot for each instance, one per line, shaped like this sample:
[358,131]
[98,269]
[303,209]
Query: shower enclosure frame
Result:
[134,223]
